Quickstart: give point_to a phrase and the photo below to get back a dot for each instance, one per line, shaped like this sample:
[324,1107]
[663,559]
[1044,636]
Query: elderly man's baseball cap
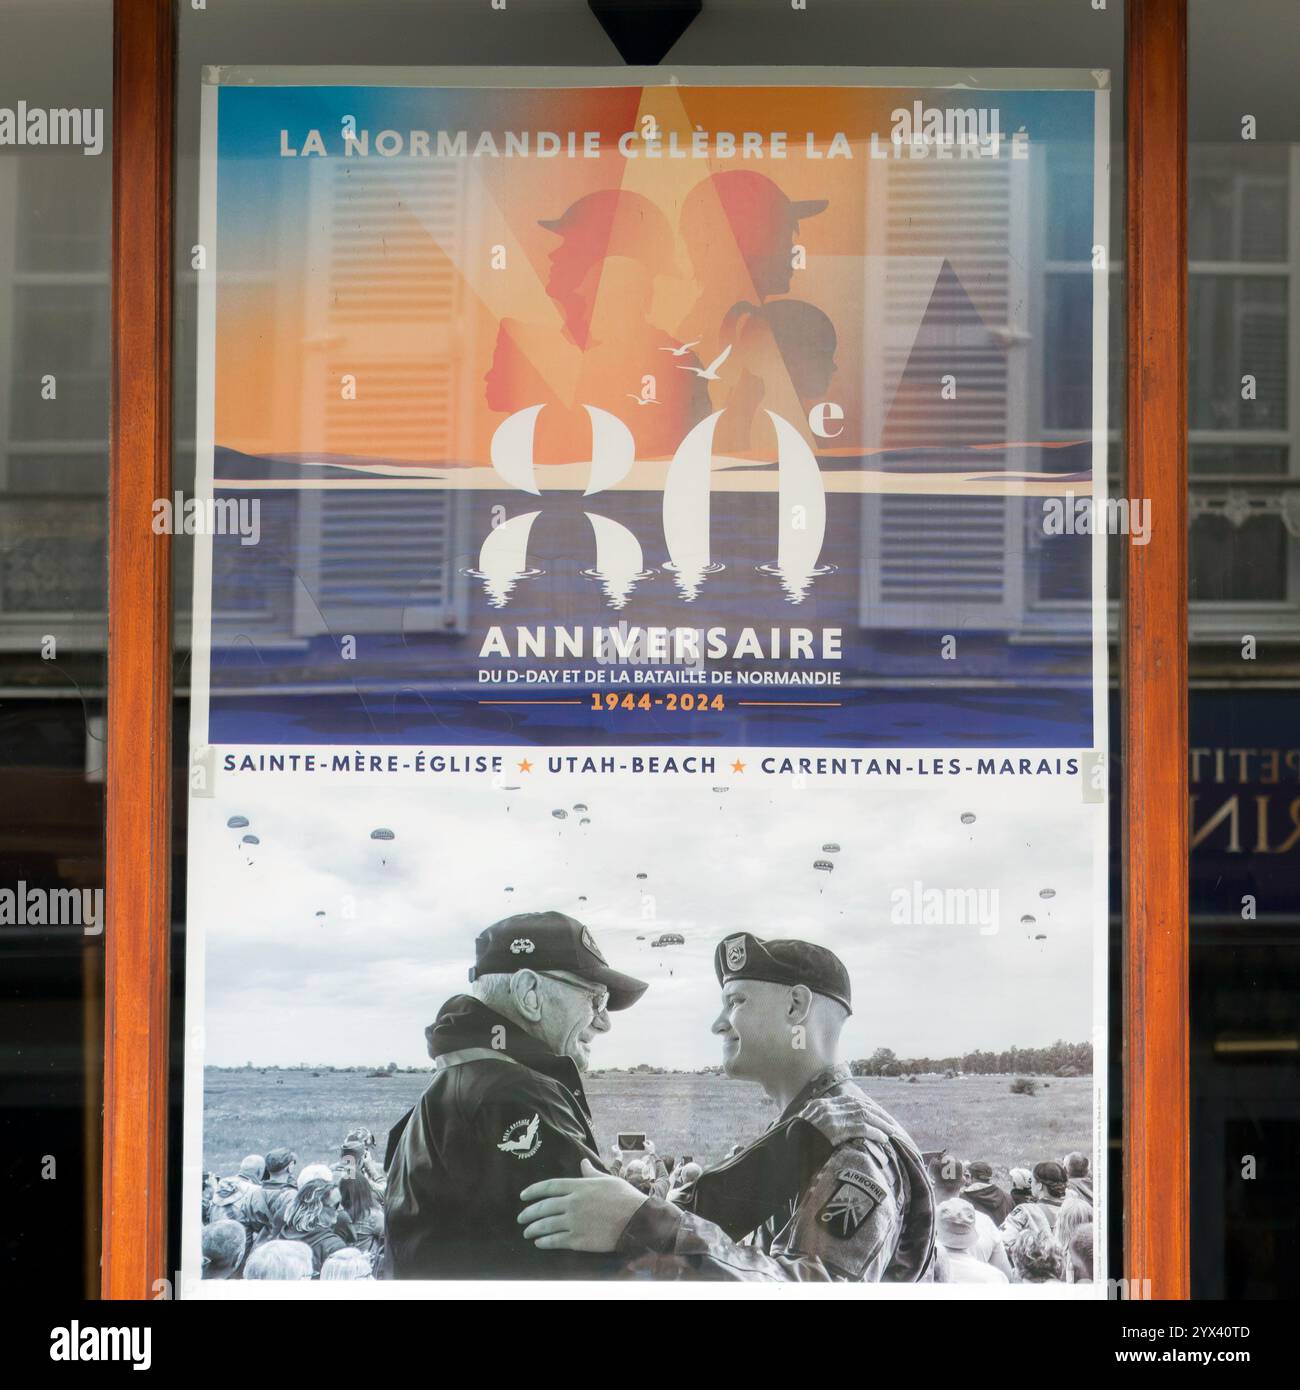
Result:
[955,1224]
[550,941]
[981,1171]
[745,957]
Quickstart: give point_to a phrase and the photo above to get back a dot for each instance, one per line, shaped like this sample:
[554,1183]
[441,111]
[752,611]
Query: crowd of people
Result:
[1039,1230]
[271,1220]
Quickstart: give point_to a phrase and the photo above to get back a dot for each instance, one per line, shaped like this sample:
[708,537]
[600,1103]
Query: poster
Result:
[648,711]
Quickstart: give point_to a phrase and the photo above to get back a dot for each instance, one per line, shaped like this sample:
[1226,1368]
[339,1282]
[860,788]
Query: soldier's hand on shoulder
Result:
[840,1119]
[587,1213]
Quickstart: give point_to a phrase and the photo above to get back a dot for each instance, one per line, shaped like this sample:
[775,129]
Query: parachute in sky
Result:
[826,866]
[579,807]
[560,814]
[237,822]
[251,840]
[382,834]
[1047,892]
[1027,920]
[831,848]
[968,817]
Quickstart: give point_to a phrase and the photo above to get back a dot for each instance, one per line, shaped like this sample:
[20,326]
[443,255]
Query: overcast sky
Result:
[284,985]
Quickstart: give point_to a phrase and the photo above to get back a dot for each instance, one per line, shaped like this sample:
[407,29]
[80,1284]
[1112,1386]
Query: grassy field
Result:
[973,1117]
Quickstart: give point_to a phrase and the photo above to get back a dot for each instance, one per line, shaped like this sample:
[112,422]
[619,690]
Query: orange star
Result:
[525,766]
[738,766]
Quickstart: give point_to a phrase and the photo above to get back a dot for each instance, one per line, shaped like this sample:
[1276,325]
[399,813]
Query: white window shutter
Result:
[380,560]
[936,559]
[384,559]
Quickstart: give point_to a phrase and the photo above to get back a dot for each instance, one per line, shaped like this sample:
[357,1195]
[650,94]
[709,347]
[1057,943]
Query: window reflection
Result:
[54,387]
[1244,586]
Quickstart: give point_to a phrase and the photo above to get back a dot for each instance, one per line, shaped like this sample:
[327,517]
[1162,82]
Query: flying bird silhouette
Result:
[709,373]
[681,351]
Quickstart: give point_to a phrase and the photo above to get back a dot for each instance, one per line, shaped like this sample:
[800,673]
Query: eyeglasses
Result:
[598,997]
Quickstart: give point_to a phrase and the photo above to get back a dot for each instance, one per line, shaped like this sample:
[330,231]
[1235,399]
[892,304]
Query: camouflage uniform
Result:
[266,1205]
[866,1213]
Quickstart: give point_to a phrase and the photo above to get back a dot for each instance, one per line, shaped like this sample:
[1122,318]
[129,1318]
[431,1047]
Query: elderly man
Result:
[506,1104]
[836,1190]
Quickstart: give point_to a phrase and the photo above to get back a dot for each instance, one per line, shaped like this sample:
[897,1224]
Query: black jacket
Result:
[500,1113]
[995,1202]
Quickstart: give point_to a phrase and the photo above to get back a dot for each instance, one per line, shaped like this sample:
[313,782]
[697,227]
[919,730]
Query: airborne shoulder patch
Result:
[855,1197]
[868,1185]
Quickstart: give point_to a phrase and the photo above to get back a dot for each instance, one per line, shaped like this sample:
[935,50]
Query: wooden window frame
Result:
[1153,660]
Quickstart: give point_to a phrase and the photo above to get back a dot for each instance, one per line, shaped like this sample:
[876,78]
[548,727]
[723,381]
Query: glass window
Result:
[55,236]
[1244,289]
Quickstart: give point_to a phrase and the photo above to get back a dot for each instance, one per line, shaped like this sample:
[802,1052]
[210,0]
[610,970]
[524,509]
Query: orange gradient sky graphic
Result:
[363,280]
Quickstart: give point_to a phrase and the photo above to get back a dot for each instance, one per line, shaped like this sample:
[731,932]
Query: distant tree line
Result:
[1059,1059]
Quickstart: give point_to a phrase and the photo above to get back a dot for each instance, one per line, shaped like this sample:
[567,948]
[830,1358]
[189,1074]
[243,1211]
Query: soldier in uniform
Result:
[836,1190]
[506,1104]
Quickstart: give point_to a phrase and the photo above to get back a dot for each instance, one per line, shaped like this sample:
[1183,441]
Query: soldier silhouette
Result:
[739,230]
[613,245]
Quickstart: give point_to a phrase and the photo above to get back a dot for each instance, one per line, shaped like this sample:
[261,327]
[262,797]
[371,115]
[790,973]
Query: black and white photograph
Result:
[666,1028]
